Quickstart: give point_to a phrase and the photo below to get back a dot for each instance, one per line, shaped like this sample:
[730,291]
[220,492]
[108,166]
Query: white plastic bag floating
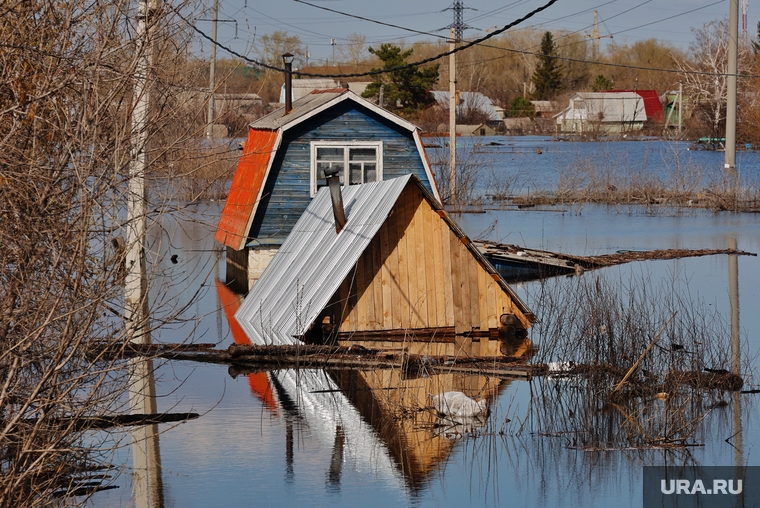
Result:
[459,404]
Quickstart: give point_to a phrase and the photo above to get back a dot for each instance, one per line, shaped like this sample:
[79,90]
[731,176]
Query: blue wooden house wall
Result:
[286,193]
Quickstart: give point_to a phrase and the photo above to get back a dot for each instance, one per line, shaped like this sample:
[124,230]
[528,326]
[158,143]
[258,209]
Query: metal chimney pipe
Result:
[287,59]
[333,181]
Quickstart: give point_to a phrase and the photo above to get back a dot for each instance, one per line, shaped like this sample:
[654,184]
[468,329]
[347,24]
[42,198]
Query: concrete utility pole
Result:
[452,117]
[680,107]
[733,50]
[212,75]
[136,283]
[147,483]
[456,32]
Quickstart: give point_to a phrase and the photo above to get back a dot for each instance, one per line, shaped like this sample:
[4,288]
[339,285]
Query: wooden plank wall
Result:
[416,273]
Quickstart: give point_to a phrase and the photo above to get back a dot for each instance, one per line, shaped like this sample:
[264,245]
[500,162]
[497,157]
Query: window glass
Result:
[356,162]
[370,172]
[329,157]
[362,154]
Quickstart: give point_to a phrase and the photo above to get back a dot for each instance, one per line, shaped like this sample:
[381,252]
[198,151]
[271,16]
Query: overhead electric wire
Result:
[377,71]
[467,45]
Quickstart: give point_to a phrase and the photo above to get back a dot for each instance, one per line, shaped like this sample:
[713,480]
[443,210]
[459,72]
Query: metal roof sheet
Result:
[609,106]
[245,189]
[314,261]
[301,106]
[474,100]
[316,101]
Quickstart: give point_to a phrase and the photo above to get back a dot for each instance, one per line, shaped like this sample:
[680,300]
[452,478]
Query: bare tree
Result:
[353,51]
[705,73]
[66,99]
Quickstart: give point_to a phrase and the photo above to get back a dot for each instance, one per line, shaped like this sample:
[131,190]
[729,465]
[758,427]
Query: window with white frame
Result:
[357,161]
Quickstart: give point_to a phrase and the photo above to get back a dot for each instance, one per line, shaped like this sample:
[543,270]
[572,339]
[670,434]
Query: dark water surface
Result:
[250,449]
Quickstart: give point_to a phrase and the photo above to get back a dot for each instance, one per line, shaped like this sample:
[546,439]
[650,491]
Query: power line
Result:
[463,47]
[373,72]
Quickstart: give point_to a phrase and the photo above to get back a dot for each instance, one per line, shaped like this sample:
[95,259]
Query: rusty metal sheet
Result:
[246,185]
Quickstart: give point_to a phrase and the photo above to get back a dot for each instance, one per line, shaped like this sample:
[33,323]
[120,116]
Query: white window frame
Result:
[377,145]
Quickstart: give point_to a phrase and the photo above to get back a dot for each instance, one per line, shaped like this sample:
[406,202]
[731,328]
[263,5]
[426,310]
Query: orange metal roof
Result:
[245,189]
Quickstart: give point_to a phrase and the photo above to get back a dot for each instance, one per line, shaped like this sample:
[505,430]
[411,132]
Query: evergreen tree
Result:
[405,90]
[547,78]
[601,84]
[521,107]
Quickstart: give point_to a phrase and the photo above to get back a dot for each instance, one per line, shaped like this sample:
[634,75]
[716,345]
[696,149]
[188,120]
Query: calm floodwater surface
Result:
[250,450]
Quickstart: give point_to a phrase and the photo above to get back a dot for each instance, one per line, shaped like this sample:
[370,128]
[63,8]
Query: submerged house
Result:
[602,113]
[283,163]
[398,270]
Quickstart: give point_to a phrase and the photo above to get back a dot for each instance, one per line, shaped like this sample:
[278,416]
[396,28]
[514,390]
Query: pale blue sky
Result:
[625,19]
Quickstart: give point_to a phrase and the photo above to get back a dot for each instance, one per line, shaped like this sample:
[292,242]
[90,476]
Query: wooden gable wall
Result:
[287,190]
[418,274]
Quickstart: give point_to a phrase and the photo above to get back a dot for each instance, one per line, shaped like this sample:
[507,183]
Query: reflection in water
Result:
[736,398]
[377,420]
[146,457]
[336,461]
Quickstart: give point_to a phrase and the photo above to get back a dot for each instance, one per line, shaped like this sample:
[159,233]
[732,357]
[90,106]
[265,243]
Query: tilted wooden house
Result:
[399,270]
[283,163]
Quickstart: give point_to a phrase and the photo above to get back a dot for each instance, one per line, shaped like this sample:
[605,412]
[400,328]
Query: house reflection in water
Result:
[378,420]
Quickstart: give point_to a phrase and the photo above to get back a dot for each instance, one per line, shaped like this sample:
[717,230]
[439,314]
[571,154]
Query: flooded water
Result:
[343,439]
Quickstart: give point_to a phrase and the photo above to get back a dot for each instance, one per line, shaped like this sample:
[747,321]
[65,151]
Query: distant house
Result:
[545,109]
[283,164]
[602,112]
[358,87]
[302,87]
[518,126]
[652,104]
[476,130]
[469,101]
[400,269]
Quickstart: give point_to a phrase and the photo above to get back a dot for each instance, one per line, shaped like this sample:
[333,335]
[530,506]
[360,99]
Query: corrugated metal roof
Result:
[305,86]
[315,102]
[246,186]
[474,100]
[314,261]
[301,107]
[610,107]
[652,103]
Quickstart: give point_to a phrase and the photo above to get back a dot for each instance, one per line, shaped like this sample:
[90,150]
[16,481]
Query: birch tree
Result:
[704,74]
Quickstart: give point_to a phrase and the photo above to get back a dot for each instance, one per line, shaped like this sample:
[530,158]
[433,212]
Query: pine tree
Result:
[405,90]
[547,78]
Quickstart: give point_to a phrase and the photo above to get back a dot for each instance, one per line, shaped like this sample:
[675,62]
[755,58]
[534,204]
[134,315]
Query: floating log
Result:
[104,422]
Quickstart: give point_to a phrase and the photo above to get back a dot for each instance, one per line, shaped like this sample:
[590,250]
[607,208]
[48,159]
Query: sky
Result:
[628,21]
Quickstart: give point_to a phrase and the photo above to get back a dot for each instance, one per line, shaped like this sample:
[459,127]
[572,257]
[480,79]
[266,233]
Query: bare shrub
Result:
[594,329]
[66,100]
[470,168]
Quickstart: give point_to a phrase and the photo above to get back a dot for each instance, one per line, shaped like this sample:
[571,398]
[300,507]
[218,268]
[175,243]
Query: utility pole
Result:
[452,116]
[136,283]
[594,36]
[733,50]
[212,75]
[680,107]
[456,32]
